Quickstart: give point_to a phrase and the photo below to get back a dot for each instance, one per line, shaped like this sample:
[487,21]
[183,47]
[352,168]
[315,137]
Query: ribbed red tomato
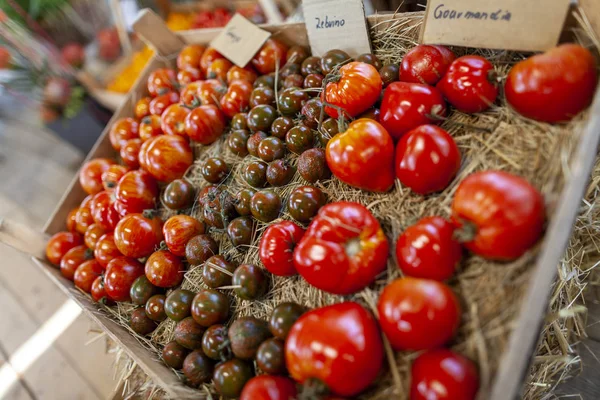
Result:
[205,124]
[83,220]
[164,269]
[121,131]
[208,56]
[189,94]
[159,104]
[137,235]
[103,210]
[135,192]
[189,75]
[130,153]
[237,98]
[98,291]
[73,259]
[272,54]
[269,387]
[92,235]
[339,345]
[59,244]
[166,157]
[86,273]
[121,272]
[161,80]
[190,56]
[425,64]
[142,108]
[106,249]
[113,175]
[277,245]
[90,174]
[71,221]
[211,91]
[173,120]
[178,230]
[247,73]
[218,69]
[150,127]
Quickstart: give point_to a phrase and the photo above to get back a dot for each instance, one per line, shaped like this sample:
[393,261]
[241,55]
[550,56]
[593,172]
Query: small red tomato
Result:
[208,57]
[443,375]
[339,345]
[90,175]
[418,314]
[425,64]
[189,94]
[357,89]
[188,75]
[363,156]
[427,159]
[247,73]
[71,221]
[121,272]
[86,274]
[178,230]
[92,235]
[237,98]
[113,175]
[470,84]
[553,86]
[136,235]
[161,80]
[86,203]
[83,220]
[211,91]
[130,152]
[218,69]
[277,246]
[159,104]
[142,108]
[428,249]
[343,250]
[98,291]
[73,259]
[103,210]
[269,387]
[121,131]
[173,120]
[190,56]
[164,269]
[106,249]
[150,127]
[272,54]
[205,124]
[135,192]
[503,212]
[166,157]
[59,244]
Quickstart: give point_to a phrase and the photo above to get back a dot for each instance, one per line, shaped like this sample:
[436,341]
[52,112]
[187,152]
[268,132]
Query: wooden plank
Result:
[23,238]
[271,11]
[153,30]
[586,385]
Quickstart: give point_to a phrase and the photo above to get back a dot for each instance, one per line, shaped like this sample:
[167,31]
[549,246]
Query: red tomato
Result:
[553,86]
[425,64]
[503,212]
[277,246]
[71,222]
[59,244]
[159,104]
[166,157]
[150,127]
[178,230]
[98,291]
[189,94]
[268,387]
[205,124]
[418,314]
[340,345]
[135,192]
[211,91]
[103,211]
[92,235]
[86,203]
[427,159]
[188,75]
[272,54]
[90,175]
[190,56]
[142,108]
[237,98]
[106,250]
[363,156]
[470,84]
[161,81]
[121,272]
[218,69]
[443,375]
[164,269]
[136,235]
[357,89]
[428,249]
[405,106]
[73,259]
[247,74]
[343,250]
[208,57]
[173,120]
[86,274]
[83,219]
[121,131]
[113,175]
[130,153]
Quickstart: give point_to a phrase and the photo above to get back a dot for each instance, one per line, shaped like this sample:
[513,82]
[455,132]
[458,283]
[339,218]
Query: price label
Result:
[508,24]
[240,40]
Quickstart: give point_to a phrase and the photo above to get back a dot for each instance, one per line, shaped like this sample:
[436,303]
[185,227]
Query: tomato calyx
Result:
[313,389]
[88,254]
[150,213]
[493,77]
[465,231]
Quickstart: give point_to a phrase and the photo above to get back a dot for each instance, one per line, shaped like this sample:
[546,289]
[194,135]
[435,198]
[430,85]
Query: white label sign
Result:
[240,40]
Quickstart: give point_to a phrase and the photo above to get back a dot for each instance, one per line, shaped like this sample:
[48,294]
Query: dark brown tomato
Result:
[188,333]
[271,148]
[329,128]
[265,81]
[297,54]
[217,206]
[254,141]
[245,336]
[265,205]
[289,70]
[239,121]
[389,73]
[210,307]
[281,126]
[217,272]
[261,117]
[299,139]
[240,232]
[141,323]
[197,368]
[255,174]
[200,248]
[178,304]
[305,202]
[311,111]
[311,65]
[313,81]
[230,377]
[155,308]
[280,173]
[283,317]
[333,59]
[242,201]
[215,343]
[270,357]
[179,194]
[237,142]
[215,170]
[291,101]
[173,355]
[370,59]
[251,280]
[371,113]
[263,95]
[141,290]
[294,80]
[312,165]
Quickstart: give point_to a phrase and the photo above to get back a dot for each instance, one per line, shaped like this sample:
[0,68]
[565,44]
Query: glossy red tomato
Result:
[428,249]
[142,108]
[237,98]
[277,246]
[90,175]
[247,74]
[443,375]
[418,314]
[150,127]
[211,91]
[71,221]
[166,157]
[190,56]
[178,230]
[363,156]
[405,106]
[425,64]
[83,220]
[86,274]
[189,75]
[189,94]
[103,210]
[86,203]
[470,84]
[343,250]
[106,249]
[553,86]
[98,291]
[427,159]
[130,152]
[161,80]
[121,272]
[159,104]
[113,175]
[137,235]
[173,120]
[136,192]
[164,269]
[121,131]
[357,89]
[92,235]
[340,345]
[272,54]
[218,69]
[59,244]
[205,124]
[502,214]
[207,58]
[73,259]
[269,387]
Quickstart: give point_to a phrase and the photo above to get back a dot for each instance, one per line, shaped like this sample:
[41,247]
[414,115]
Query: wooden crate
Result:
[517,357]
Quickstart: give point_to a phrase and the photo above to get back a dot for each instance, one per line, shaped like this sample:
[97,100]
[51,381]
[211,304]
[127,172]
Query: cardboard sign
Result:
[528,25]
[240,40]
[336,24]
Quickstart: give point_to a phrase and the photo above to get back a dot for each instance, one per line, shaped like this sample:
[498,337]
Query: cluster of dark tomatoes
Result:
[286,101]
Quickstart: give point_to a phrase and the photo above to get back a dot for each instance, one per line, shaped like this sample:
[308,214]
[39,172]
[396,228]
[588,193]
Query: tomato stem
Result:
[313,389]
[466,232]
[89,254]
